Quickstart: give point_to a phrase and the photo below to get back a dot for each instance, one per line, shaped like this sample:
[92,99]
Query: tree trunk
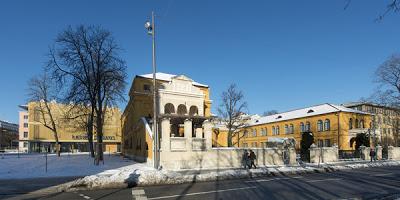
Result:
[90,134]
[229,139]
[57,145]
[99,131]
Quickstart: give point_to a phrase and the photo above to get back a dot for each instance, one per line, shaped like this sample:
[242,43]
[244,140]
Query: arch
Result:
[357,124]
[302,127]
[350,123]
[362,124]
[286,129]
[169,108]
[327,125]
[182,109]
[291,129]
[320,126]
[193,111]
[308,126]
[352,142]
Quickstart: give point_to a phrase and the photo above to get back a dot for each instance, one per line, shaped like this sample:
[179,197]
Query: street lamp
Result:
[150,27]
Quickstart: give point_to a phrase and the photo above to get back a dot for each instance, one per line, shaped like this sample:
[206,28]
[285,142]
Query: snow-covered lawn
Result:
[33,165]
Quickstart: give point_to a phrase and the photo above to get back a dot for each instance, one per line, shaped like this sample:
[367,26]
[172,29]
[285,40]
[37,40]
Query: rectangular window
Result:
[25,144]
[146,87]
[25,134]
[320,143]
[25,116]
[327,143]
[25,125]
[244,144]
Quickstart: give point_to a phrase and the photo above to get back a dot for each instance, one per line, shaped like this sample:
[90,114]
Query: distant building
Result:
[8,135]
[23,128]
[72,134]
[386,122]
[329,124]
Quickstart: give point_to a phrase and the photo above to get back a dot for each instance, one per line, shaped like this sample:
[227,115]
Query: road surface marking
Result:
[328,179]
[387,174]
[199,193]
[138,194]
[84,196]
[273,179]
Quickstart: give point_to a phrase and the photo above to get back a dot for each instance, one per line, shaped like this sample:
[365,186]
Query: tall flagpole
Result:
[155,124]
[150,26]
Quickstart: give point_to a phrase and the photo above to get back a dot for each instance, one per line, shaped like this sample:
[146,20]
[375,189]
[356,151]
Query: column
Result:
[378,151]
[199,132]
[165,134]
[208,134]
[188,134]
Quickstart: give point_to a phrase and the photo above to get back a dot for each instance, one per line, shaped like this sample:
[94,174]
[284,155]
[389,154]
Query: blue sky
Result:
[282,54]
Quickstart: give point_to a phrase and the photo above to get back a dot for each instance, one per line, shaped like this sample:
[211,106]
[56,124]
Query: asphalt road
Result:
[15,187]
[368,183]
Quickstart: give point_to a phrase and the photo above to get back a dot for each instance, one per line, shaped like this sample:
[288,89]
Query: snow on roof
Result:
[167,77]
[303,112]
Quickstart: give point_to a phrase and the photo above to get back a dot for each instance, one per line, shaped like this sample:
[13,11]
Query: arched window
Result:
[320,126]
[286,129]
[308,126]
[277,130]
[193,111]
[362,124]
[169,108]
[351,123]
[182,110]
[254,132]
[327,126]
[273,130]
[291,129]
[302,127]
[357,124]
[245,133]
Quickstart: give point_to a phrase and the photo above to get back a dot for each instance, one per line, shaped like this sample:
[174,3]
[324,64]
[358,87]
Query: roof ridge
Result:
[296,109]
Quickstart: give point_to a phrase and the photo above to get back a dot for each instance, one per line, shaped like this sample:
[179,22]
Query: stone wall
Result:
[196,152]
[323,154]
[217,158]
[393,153]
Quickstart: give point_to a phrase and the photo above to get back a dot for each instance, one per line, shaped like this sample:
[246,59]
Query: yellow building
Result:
[71,132]
[179,98]
[386,122]
[329,124]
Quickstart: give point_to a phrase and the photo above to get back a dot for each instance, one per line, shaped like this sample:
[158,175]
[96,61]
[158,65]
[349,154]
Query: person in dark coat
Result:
[245,159]
[253,157]
[372,154]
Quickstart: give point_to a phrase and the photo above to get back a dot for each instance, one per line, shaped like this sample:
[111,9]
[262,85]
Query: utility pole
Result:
[150,26]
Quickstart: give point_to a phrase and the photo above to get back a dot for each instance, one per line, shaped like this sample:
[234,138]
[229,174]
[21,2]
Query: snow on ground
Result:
[140,174]
[33,165]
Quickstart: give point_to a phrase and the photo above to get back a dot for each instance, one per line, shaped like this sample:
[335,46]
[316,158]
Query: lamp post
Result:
[150,27]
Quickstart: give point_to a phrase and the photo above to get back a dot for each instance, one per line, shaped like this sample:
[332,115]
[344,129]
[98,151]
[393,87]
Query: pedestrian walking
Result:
[253,157]
[372,154]
[245,159]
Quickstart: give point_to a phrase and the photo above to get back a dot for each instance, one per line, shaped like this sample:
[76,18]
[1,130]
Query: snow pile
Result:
[141,174]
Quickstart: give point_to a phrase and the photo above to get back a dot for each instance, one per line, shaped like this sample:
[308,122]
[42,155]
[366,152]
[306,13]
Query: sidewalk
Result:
[130,176]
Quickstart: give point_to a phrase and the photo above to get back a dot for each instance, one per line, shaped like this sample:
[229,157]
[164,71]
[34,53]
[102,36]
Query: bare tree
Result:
[388,93]
[231,109]
[42,91]
[391,7]
[270,112]
[388,77]
[87,58]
